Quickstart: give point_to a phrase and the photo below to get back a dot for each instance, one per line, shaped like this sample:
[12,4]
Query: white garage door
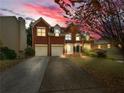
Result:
[41,50]
[57,50]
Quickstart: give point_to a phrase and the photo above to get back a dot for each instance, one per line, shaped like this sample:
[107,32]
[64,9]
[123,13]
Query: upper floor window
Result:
[57,32]
[108,45]
[77,37]
[41,31]
[68,37]
[99,46]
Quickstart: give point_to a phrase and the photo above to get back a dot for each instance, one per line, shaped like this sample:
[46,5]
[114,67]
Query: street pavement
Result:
[25,77]
[63,76]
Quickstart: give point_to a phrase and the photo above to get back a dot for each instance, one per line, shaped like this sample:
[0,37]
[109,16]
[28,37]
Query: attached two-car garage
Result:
[42,50]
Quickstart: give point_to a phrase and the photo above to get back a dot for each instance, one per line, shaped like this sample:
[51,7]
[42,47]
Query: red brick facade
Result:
[39,39]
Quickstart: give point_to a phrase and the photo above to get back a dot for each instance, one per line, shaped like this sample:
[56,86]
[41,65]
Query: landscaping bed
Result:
[9,58]
[6,64]
[109,72]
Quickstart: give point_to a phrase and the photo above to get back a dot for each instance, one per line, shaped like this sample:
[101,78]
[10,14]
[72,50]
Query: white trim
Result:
[40,27]
[38,45]
[57,45]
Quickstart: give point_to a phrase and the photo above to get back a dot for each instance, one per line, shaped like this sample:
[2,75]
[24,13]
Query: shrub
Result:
[85,51]
[21,54]
[2,56]
[29,52]
[93,54]
[89,52]
[101,53]
[11,54]
[6,53]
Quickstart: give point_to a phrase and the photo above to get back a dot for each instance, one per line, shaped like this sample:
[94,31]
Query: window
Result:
[57,32]
[77,37]
[87,37]
[108,45]
[99,46]
[119,45]
[41,31]
[68,37]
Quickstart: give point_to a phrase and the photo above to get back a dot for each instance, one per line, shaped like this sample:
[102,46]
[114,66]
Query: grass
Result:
[109,72]
[6,64]
[114,53]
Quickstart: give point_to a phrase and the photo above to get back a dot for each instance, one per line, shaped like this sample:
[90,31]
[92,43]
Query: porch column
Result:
[80,48]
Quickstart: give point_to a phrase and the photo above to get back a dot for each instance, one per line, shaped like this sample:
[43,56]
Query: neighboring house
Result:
[55,41]
[102,44]
[12,33]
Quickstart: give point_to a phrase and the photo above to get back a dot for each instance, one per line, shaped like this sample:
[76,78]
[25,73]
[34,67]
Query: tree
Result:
[102,17]
[29,35]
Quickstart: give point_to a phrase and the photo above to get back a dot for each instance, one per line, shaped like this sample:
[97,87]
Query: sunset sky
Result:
[33,9]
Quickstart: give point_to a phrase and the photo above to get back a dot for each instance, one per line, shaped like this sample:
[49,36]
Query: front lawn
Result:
[109,72]
[114,53]
[5,64]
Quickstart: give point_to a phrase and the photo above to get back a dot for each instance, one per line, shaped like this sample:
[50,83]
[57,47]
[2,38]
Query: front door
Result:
[77,48]
[69,48]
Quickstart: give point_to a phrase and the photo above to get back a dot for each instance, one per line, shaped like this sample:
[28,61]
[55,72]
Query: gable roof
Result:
[61,28]
[40,19]
[101,41]
[71,25]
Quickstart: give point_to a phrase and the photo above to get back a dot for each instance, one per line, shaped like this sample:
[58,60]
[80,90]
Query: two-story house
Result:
[55,41]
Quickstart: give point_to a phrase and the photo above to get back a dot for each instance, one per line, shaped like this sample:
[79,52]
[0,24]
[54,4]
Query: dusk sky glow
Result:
[33,9]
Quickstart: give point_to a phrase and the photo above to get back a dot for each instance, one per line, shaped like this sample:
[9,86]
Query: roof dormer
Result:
[57,30]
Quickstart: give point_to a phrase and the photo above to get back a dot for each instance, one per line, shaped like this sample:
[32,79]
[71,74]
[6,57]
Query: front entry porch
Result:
[70,48]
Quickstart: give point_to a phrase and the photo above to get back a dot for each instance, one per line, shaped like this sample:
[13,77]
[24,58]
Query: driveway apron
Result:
[63,76]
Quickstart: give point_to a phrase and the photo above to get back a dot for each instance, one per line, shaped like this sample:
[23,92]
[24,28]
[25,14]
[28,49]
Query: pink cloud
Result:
[1,14]
[48,11]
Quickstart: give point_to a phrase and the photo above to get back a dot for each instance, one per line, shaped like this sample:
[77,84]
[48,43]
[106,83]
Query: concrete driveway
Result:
[25,77]
[63,76]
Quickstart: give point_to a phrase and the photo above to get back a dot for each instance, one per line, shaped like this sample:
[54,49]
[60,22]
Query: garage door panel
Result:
[57,50]
[41,51]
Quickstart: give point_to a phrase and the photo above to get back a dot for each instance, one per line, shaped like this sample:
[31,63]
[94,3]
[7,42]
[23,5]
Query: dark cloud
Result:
[53,7]
[11,11]
[16,14]
[29,18]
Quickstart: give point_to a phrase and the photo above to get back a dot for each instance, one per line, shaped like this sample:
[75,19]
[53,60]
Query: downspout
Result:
[49,52]
[49,46]
[18,40]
